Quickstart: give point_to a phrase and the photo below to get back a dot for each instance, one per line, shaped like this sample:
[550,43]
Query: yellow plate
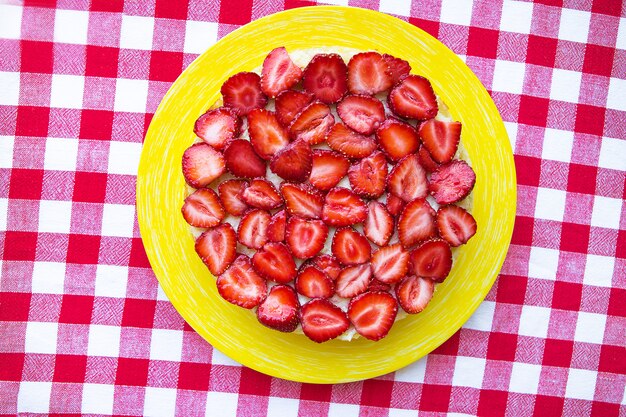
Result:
[187,282]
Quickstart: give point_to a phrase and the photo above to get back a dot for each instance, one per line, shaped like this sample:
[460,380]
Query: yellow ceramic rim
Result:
[189,285]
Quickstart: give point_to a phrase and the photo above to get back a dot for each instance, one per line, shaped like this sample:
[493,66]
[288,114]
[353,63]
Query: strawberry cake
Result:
[328,192]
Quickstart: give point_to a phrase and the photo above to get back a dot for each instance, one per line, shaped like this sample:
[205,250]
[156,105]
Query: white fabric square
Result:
[104,340]
[550,204]
[282,407]
[606,212]
[11,22]
[557,145]
[55,216]
[221,404]
[482,318]
[468,372]
[590,327]
[343,410]
[4,210]
[401,8]
[599,270]
[61,154]
[516,16]
[70,26]
[136,32]
[6,150]
[131,95]
[124,157]
[34,397]
[613,152]
[508,77]
[511,130]
[97,399]
[581,384]
[159,402]
[118,220]
[414,372]
[161,294]
[166,345]
[111,281]
[48,278]
[219,358]
[9,88]
[398,412]
[41,337]
[543,263]
[574,25]
[67,91]
[534,321]
[456,12]
[199,36]
[565,85]
[616,98]
[621,34]
[525,378]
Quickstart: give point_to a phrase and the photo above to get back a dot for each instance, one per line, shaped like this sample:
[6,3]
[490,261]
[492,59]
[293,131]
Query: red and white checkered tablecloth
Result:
[84,327]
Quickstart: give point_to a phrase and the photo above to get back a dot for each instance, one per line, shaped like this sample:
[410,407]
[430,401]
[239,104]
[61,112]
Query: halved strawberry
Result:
[376,285]
[252,230]
[452,182]
[397,139]
[413,97]
[414,293]
[289,103]
[456,226]
[367,176]
[313,283]
[441,138]
[203,208]
[216,247]
[399,67]
[242,161]
[378,226]
[230,195]
[328,264]
[416,223]
[322,320]
[276,229]
[261,194]
[343,208]
[353,280]
[432,259]
[242,92]
[279,310]
[328,169]
[390,263]
[275,262]
[312,123]
[373,314]
[241,285]
[368,73]
[267,135]
[202,164]
[426,161]
[348,142]
[293,162]
[279,73]
[302,201]
[326,77]
[218,126]
[305,237]
[407,179]
[360,113]
[350,247]
[395,204]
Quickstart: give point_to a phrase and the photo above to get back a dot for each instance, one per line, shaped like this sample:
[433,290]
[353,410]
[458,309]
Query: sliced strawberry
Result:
[276,229]
[426,161]
[216,247]
[407,179]
[432,259]
[267,135]
[414,293]
[378,226]
[202,164]
[328,264]
[275,262]
[362,114]
[230,195]
[302,201]
[367,176]
[218,126]
[413,97]
[326,77]
[279,310]
[328,169]
[261,194]
[368,73]
[376,285]
[279,73]
[322,320]
[397,139]
[456,226]
[203,208]
[348,142]
[441,138]
[241,285]
[373,314]
[252,230]
[313,283]
[350,247]
[390,263]
[452,182]
[395,204]
[242,161]
[353,280]
[343,208]
[293,162]
[305,237]
[399,67]
[312,123]
[289,103]
[416,223]
[242,92]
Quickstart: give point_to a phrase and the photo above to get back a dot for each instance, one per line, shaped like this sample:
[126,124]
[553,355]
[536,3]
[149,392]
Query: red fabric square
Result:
[15,306]
[533,111]
[501,346]
[12,365]
[558,352]
[36,56]
[70,368]
[598,60]
[589,119]
[429,26]
[541,51]
[138,257]
[40,3]
[26,184]
[523,231]
[89,187]
[32,121]
[620,251]
[294,4]
[138,313]
[547,405]
[96,124]
[101,61]
[617,302]
[316,392]
[377,393]
[575,237]
[613,8]
[450,346]
[107,5]
[194,376]
[83,249]
[528,170]
[171,9]
[612,359]
[132,371]
[601,409]
[254,383]
[19,246]
[582,179]
[567,295]
[482,42]
[236,12]
[435,398]
[76,309]
[511,289]
[492,403]
[166,66]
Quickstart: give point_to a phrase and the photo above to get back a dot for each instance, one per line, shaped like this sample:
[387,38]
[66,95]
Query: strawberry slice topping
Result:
[328,169]
[302,201]
[326,77]
[203,208]
[373,314]
[279,310]
[368,73]
[416,223]
[312,123]
[395,204]
[242,161]
[452,182]
[414,293]
[289,104]
[267,135]
[275,262]
[441,139]
[230,195]
[362,114]
[353,280]
[279,73]
[367,176]
[456,226]
[348,142]
[313,283]
[242,92]
[202,164]
[322,320]
[252,230]
[413,97]
[350,247]
[397,139]
[399,68]
[343,208]
[432,259]
[241,285]
[217,247]
[426,161]
[376,285]
[293,162]
[218,126]
[276,229]
[328,264]
[305,237]
[378,226]
[390,264]
[261,194]
[407,179]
